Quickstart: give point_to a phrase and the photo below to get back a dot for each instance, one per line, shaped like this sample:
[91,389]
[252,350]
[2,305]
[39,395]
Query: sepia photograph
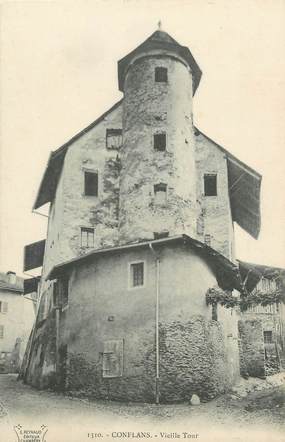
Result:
[142,220]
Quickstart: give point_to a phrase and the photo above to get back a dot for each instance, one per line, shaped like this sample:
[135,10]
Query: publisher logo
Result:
[31,435]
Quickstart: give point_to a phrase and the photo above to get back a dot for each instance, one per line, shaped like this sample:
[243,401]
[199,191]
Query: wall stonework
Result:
[252,346]
[215,211]
[148,108]
[187,333]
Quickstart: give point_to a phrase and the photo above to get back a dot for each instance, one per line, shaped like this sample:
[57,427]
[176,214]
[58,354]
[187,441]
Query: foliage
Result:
[216,295]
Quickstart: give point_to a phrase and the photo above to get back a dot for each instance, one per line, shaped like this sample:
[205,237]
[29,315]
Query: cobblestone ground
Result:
[257,416]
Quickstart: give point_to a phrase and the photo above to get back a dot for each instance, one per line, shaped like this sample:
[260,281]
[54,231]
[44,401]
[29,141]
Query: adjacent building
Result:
[142,207]
[17,316]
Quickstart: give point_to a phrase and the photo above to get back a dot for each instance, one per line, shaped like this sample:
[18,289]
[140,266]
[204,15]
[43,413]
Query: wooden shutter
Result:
[1,331]
[113,358]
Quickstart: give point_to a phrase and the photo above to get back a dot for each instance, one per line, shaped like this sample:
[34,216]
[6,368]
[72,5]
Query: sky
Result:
[59,73]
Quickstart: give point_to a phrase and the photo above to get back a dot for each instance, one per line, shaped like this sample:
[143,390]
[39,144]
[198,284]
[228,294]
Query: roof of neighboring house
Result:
[54,166]
[227,273]
[5,284]
[162,41]
[251,273]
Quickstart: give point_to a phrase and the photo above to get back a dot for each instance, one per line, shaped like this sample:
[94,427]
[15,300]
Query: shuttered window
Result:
[1,331]
[113,358]
[114,139]
[87,237]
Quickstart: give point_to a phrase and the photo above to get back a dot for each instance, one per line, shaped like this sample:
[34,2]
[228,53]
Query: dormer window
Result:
[161,75]
[159,141]
[160,193]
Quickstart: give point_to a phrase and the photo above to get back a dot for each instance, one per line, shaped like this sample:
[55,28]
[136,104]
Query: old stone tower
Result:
[142,206]
[158,176]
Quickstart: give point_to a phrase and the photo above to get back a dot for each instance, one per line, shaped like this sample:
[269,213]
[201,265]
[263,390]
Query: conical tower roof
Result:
[160,40]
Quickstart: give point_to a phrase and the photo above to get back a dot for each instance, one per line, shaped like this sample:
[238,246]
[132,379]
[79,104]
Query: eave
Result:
[227,273]
[49,182]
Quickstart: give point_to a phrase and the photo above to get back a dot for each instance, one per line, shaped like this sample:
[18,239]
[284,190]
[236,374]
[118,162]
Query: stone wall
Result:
[252,347]
[194,349]
[215,212]
[148,108]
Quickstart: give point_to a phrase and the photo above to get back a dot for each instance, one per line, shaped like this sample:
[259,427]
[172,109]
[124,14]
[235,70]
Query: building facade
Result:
[17,316]
[141,177]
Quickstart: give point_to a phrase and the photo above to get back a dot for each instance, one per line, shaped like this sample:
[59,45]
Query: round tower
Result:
[158,178]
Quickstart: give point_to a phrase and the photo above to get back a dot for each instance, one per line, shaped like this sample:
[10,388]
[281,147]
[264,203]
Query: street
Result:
[235,416]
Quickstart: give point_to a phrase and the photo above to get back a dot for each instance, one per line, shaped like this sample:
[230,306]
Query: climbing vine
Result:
[216,295]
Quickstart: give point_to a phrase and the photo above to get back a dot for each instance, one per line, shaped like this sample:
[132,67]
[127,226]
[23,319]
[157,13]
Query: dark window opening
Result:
[87,237]
[137,273]
[210,185]
[91,183]
[267,336]
[1,331]
[214,312]
[161,75]
[160,235]
[114,139]
[159,141]
[160,193]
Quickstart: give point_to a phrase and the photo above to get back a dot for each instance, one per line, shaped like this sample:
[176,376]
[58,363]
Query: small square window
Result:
[90,183]
[137,274]
[210,184]
[159,141]
[87,236]
[114,138]
[267,336]
[161,75]
[160,193]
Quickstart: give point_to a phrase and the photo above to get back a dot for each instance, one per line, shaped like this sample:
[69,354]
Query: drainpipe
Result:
[157,265]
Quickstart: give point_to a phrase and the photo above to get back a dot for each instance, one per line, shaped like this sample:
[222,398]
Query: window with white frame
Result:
[137,274]
[3,307]
[87,237]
